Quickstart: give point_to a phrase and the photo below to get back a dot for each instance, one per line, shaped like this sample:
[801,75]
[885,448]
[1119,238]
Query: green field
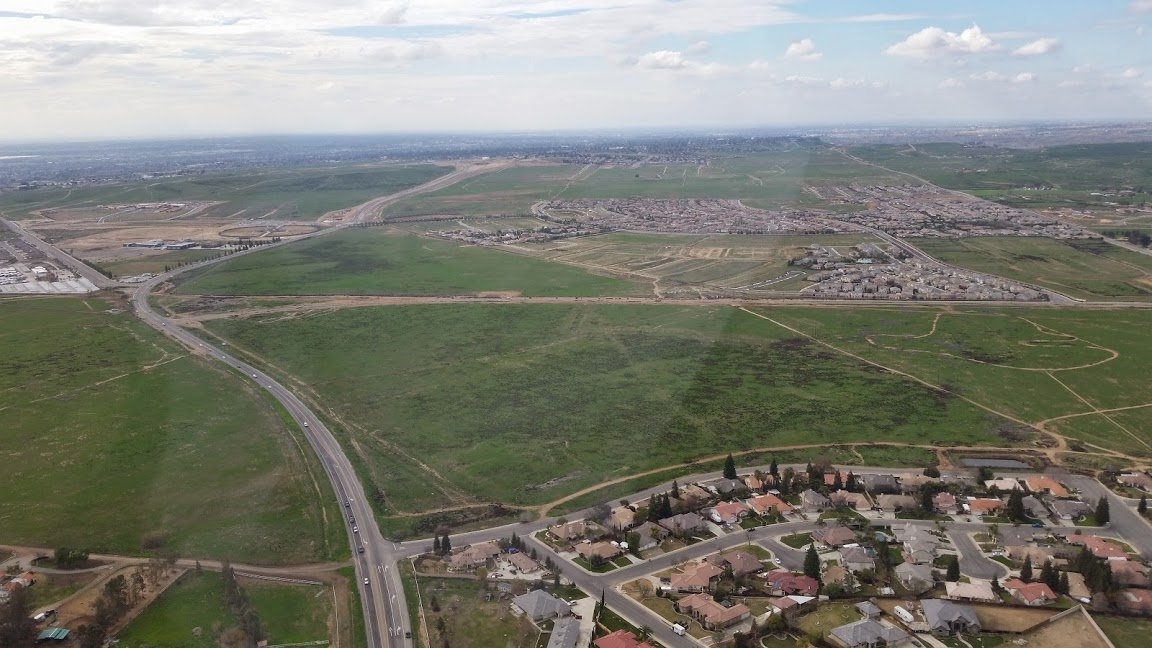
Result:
[525,403]
[372,261]
[718,262]
[300,194]
[1032,364]
[157,263]
[468,620]
[769,180]
[1092,270]
[288,613]
[1057,176]
[1125,632]
[119,442]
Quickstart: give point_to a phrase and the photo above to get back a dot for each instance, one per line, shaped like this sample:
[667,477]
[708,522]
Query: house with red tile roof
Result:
[784,583]
[1099,547]
[983,506]
[945,503]
[833,537]
[1136,600]
[1045,484]
[620,639]
[710,614]
[728,513]
[1030,593]
[765,503]
[696,578]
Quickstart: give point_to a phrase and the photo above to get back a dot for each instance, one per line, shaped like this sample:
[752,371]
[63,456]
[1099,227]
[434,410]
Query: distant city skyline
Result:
[77,69]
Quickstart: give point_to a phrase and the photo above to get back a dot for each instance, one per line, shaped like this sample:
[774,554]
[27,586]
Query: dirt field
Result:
[1073,631]
[256,232]
[1002,618]
[78,610]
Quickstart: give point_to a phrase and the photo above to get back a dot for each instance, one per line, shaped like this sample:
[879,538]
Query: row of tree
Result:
[248,630]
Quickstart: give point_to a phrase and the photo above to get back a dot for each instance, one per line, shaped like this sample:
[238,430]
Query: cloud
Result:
[393,15]
[1023,77]
[1140,6]
[804,80]
[662,60]
[760,65]
[1131,73]
[934,41]
[881,17]
[1037,47]
[856,84]
[699,47]
[950,83]
[803,50]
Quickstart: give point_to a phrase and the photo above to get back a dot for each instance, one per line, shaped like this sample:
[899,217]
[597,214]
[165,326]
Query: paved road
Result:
[972,561]
[63,257]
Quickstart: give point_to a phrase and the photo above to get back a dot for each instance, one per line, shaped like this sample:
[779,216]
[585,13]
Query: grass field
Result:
[524,403]
[1125,632]
[1034,364]
[725,262]
[372,261]
[299,194]
[463,618]
[1093,270]
[289,614]
[1057,176]
[117,440]
[156,264]
[771,180]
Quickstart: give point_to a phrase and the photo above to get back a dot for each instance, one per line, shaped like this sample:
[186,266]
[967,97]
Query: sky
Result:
[151,68]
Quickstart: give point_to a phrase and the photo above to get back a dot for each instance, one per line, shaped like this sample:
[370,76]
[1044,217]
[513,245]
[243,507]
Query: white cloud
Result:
[1023,77]
[393,15]
[1038,47]
[803,50]
[1140,5]
[804,80]
[1084,69]
[950,83]
[662,60]
[934,41]
[1131,73]
[699,47]
[856,84]
[760,65]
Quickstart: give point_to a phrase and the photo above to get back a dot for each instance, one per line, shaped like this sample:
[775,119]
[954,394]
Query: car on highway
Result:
[305,423]
[347,504]
[360,549]
[355,530]
[365,580]
[253,375]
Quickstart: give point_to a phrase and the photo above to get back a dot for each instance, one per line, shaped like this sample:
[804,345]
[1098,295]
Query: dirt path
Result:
[1096,410]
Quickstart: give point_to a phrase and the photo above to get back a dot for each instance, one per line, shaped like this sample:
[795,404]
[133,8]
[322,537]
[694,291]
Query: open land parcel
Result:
[123,443]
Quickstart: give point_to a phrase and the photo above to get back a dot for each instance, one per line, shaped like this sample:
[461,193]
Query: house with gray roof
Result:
[1069,509]
[812,501]
[1034,507]
[868,609]
[917,578]
[857,558]
[539,605]
[683,524]
[877,484]
[867,633]
[947,617]
[565,633]
[650,535]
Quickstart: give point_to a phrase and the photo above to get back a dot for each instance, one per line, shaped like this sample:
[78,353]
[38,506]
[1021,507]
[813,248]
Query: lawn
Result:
[372,261]
[1125,632]
[797,540]
[116,441]
[826,617]
[1092,270]
[770,179]
[524,403]
[458,615]
[281,194]
[1032,364]
[288,613]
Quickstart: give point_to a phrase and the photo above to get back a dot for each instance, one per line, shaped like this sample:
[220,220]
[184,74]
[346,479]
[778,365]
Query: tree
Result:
[984,474]
[996,585]
[1103,515]
[90,635]
[675,490]
[436,545]
[16,626]
[953,574]
[1142,507]
[67,557]
[850,484]
[1015,509]
[633,540]
[446,545]
[932,471]
[653,508]
[812,562]
[1026,571]
[1048,576]
[774,468]
[1062,585]
[837,483]
[729,467]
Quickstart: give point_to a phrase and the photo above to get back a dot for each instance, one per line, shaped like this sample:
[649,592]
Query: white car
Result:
[305,423]
[365,581]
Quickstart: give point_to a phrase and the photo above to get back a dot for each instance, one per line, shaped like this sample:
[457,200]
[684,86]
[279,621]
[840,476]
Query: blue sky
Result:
[143,68]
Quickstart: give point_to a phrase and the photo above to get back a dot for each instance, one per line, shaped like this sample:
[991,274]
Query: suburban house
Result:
[696,578]
[946,617]
[1070,509]
[523,562]
[919,544]
[474,556]
[1036,555]
[1015,536]
[812,501]
[620,639]
[893,503]
[1034,507]
[1030,593]
[1136,600]
[691,494]
[982,506]
[621,518]
[728,513]
[565,633]
[1099,547]
[571,531]
[755,484]
[605,550]
[857,558]
[877,484]
[742,563]
[710,614]
[650,535]
[917,578]
[977,590]
[945,503]
[830,478]
[765,504]
[539,605]
[857,501]
[1002,484]
[834,536]
[868,609]
[793,605]
[784,583]
[1045,484]
[1129,573]
[911,484]
[726,486]
[867,633]
[683,524]
[1139,480]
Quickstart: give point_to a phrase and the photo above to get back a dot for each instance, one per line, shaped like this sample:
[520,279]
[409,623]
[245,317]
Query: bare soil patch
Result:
[258,231]
[1072,631]
[1002,618]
